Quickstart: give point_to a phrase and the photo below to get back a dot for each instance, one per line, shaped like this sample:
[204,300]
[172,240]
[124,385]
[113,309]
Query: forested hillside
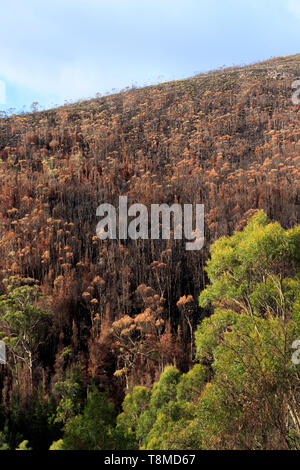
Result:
[85,321]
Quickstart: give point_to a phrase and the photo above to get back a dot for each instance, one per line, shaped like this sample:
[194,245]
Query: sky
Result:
[64,50]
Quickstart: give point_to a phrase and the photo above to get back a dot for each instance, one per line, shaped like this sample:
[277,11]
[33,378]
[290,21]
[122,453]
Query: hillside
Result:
[228,139]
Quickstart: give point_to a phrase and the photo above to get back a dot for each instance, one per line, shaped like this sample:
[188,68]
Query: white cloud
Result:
[67,49]
[294,7]
[71,48]
[2,93]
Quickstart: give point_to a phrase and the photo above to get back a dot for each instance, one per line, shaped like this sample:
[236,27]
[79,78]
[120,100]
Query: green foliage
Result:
[94,428]
[141,407]
[248,397]
[161,418]
[32,421]
[128,422]
[255,387]
[23,324]
[57,445]
[191,383]
[252,390]
[255,384]
[164,390]
[211,332]
[24,445]
[71,394]
[3,443]
[177,415]
[241,262]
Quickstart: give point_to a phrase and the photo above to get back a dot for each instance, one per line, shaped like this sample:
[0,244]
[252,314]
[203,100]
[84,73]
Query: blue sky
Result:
[52,51]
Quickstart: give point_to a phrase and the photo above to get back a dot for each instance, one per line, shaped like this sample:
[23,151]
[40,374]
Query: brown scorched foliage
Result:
[229,139]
